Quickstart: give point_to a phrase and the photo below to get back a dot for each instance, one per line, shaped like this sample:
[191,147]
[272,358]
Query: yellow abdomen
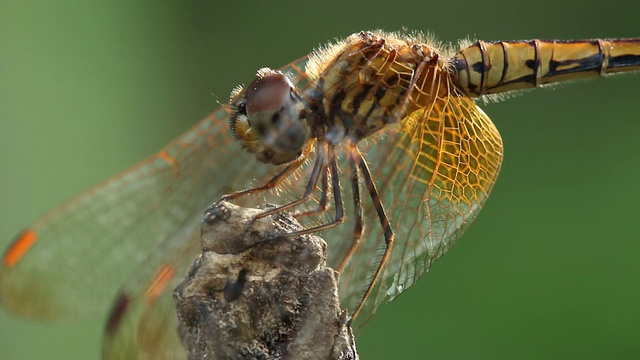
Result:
[496,67]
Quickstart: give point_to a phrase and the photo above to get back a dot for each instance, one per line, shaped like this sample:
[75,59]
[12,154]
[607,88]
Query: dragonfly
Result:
[376,140]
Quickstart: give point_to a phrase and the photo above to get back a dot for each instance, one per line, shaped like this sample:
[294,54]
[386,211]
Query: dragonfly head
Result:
[270,118]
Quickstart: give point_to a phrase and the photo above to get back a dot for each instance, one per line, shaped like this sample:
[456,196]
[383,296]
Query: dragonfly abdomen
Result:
[496,67]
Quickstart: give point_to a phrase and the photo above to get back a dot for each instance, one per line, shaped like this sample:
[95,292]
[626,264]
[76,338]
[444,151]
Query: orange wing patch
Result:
[164,274]
[20,246]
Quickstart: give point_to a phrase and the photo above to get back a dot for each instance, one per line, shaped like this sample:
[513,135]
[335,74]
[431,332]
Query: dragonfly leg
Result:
[319,168]
[277,179]
[323,203]
[389,236]
[337,198]
[357,207]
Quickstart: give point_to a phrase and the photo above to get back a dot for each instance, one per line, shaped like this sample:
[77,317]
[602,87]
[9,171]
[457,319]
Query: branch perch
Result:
[255,295]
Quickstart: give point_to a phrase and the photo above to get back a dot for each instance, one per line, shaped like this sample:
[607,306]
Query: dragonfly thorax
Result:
[370,81]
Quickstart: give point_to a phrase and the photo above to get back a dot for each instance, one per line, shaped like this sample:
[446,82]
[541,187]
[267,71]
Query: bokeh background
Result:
[551,267]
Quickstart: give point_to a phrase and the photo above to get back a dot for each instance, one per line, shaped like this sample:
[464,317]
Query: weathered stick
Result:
[255,295]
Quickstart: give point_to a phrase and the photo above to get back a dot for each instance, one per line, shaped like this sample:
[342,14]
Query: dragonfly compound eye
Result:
[274,113]
[269,118]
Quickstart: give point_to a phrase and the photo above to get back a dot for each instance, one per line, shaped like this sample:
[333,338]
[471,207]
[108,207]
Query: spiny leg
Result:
[277,179]
[323,203]
[389,236]
[357,207]
[337,198]
[319,167]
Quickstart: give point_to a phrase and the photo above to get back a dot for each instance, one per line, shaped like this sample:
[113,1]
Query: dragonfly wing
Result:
[434,173]
[143,319]
[85,249]
[70,263]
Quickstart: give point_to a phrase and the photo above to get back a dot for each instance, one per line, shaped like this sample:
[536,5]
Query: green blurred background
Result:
[549,270]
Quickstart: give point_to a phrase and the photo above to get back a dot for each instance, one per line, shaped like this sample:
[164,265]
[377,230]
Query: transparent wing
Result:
[85,249]
[434,172]
[143,320]
[70,263]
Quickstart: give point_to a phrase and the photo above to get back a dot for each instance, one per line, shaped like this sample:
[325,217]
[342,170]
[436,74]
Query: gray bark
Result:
[253,294]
